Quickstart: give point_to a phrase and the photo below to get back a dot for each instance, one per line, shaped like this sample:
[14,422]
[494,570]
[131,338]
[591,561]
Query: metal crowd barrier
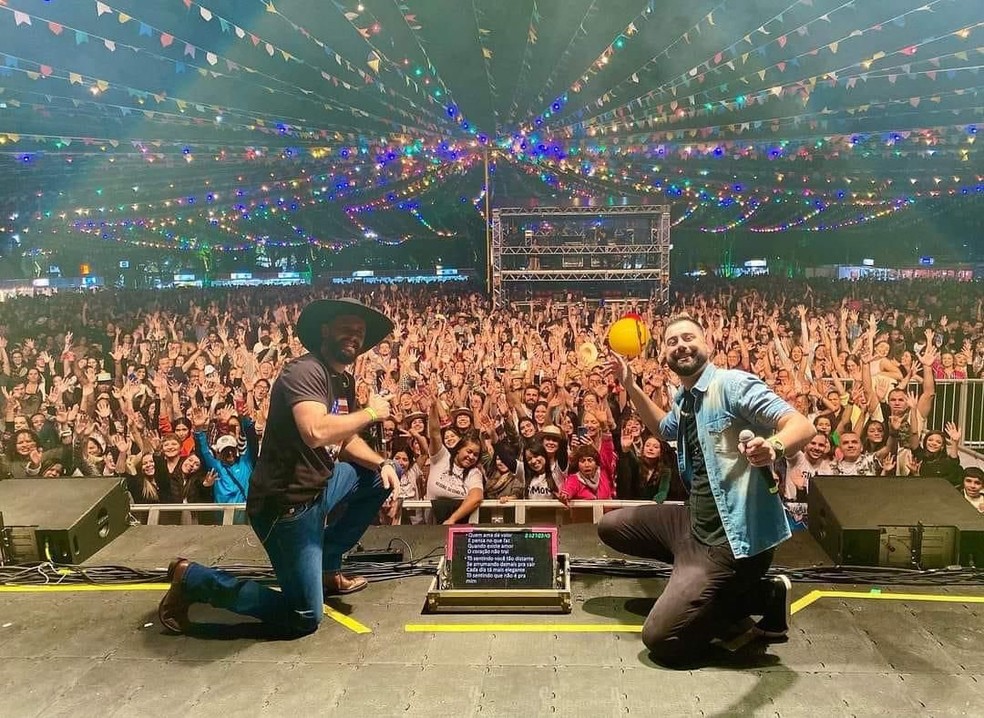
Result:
[958,400]
[495,511]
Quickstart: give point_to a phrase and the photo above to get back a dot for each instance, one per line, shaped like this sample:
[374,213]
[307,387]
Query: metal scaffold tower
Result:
[590,252]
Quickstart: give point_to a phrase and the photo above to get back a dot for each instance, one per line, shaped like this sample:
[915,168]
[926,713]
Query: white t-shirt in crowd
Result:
[799,471]
[540,487]
[446,481]
[408,483]
[544,486]
[864,465]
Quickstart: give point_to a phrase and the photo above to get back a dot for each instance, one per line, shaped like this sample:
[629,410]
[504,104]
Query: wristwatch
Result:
[385,462]
[777,446]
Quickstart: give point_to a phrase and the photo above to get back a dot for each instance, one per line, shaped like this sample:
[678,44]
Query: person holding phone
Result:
[729,428]
[317,484]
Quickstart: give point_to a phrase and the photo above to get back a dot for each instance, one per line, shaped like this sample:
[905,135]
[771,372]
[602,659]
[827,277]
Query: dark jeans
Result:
[709,591]
[302,543]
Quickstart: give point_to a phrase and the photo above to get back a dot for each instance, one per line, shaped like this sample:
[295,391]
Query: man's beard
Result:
[694,362]
[333,350]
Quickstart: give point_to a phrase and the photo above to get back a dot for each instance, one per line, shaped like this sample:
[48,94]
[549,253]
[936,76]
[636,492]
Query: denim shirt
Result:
[725,402]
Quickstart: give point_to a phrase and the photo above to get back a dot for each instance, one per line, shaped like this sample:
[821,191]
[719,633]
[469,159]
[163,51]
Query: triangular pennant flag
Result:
[205,13]
[211,58]
[102,85]
[110,45]
[833,47]
[166,39]
[55,28]
[81,37]
[102,8]
[486,53]
[189,50]
[269,48]
[45,70]
[21,18]
[145,30]
[240,33]
[74,78]
[123,18]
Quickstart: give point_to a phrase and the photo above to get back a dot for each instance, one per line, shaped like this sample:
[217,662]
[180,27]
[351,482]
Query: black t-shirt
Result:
[288,471]
[705,521]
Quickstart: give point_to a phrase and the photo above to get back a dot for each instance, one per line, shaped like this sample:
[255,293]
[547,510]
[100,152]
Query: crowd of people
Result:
[171,389]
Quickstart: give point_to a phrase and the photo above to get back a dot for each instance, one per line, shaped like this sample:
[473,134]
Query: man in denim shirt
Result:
[722,541]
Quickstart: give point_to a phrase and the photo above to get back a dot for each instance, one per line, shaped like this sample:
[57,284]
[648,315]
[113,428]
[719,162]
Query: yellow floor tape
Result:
[58,588]
[340,618]
[347,621]
[797,606]
[878,595]
[522,628]
[357,627]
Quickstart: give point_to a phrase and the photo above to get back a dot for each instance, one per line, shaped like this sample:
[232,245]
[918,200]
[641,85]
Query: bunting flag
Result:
[352,122]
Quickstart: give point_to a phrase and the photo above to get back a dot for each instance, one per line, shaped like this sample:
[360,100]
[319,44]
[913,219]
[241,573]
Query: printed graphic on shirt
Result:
[451,484]
[539,488]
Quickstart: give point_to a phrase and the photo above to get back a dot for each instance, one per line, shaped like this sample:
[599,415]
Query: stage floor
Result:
[96,652]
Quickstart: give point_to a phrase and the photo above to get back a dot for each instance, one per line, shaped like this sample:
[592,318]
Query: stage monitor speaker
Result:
[61,520]
[894,521]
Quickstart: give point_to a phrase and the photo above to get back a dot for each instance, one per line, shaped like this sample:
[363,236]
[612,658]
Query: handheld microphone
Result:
[746,435]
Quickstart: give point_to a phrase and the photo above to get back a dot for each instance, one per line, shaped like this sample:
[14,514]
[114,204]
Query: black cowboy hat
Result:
[318,312]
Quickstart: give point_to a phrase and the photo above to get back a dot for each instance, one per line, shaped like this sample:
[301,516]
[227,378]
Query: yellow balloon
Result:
[628,336]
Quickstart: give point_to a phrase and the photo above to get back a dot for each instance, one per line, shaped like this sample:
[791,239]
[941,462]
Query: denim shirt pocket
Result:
[721,436]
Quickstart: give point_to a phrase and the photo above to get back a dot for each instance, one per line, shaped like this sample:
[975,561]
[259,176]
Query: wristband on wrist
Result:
[372,414]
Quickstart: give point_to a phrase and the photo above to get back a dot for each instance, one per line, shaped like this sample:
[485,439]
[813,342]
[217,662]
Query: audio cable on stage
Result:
[50,574]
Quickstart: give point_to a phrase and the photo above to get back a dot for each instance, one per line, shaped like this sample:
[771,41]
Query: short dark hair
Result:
[678,318]
[974,472]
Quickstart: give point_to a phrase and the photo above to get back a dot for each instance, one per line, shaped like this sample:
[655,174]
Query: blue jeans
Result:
[301,545]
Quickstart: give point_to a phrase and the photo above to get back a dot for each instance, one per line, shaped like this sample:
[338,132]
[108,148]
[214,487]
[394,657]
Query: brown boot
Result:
[337,584]
[173,609]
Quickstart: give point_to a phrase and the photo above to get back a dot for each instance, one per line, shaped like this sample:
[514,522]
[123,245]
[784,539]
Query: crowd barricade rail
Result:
[499,512]
[958,400]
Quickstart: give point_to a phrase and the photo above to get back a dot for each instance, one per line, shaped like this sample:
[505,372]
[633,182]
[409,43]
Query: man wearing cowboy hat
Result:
[317,484]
